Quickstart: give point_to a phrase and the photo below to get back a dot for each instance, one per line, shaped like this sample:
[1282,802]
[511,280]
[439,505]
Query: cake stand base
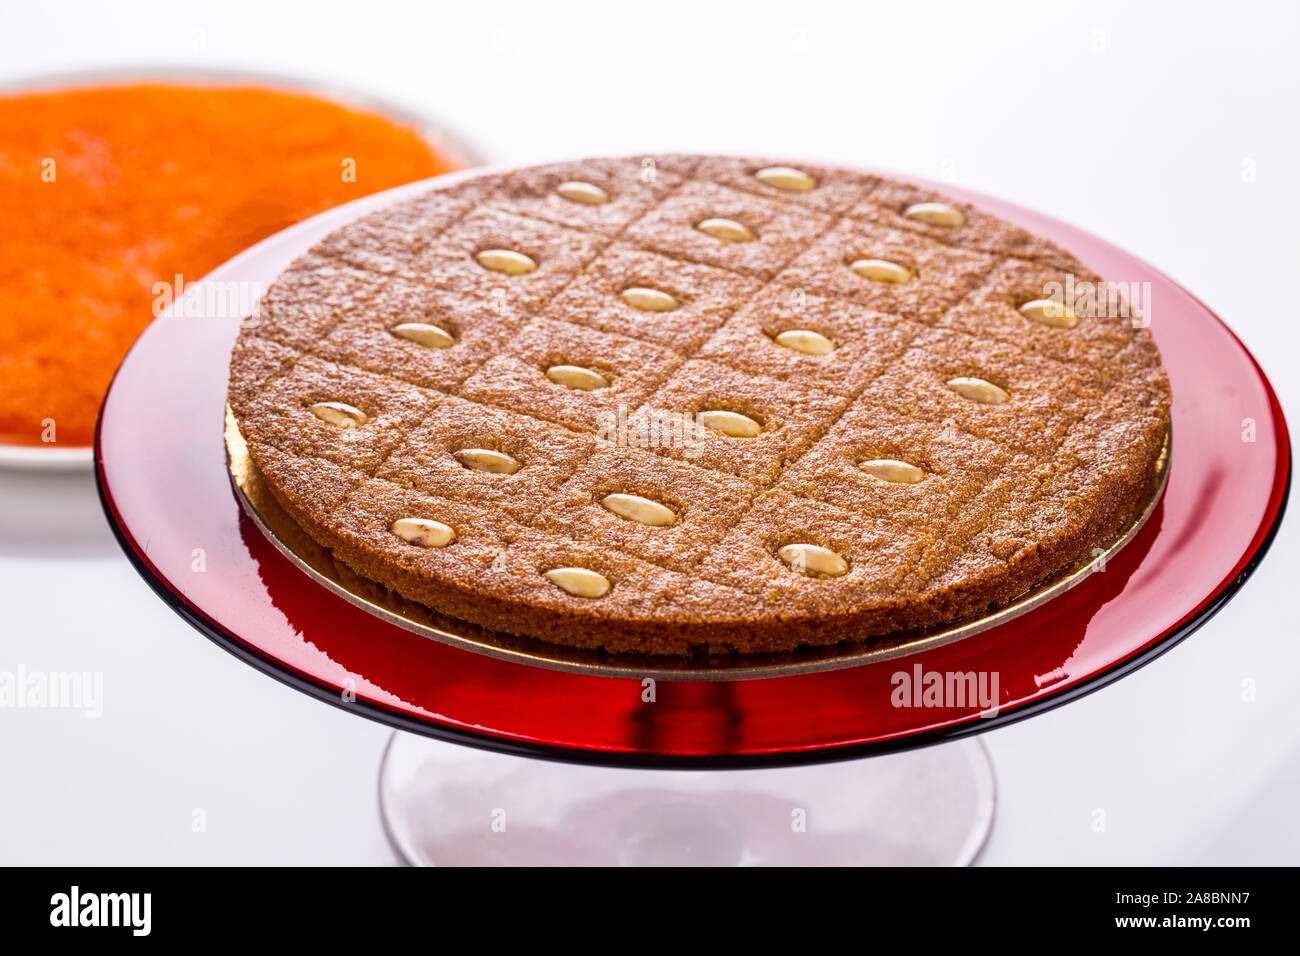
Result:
[455,806]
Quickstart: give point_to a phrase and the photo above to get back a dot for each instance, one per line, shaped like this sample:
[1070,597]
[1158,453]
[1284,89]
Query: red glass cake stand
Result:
[162,473]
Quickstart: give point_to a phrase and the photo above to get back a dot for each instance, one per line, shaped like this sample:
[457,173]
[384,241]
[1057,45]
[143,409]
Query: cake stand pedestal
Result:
[447,805]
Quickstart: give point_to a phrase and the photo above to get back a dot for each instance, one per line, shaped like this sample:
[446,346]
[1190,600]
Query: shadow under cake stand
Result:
[586,758]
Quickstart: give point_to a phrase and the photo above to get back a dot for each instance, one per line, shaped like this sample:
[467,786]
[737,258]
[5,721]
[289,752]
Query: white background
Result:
[1139,122]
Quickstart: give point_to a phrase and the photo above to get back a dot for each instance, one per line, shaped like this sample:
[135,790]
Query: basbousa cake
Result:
[679,403]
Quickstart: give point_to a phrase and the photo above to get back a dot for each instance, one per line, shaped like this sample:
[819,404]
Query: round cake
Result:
[699,404]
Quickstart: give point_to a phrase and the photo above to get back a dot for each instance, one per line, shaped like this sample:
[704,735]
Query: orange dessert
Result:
[108,192]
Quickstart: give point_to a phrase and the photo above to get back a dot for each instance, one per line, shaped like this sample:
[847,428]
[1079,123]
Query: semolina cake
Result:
[673,404]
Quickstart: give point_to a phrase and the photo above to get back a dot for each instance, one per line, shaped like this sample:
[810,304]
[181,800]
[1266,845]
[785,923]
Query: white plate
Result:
[448,143]
[46,457]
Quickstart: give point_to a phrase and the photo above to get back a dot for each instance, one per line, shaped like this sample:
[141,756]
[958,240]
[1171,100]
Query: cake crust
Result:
[675,404]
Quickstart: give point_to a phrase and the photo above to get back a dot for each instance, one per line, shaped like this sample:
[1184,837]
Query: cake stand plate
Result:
[163,477]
